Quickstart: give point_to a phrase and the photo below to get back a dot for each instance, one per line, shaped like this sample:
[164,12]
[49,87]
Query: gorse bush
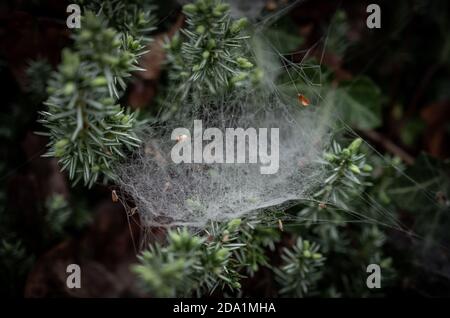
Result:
[198,264]
[209,55]
[301,268]
[319,245]
[132,17]
[89,131]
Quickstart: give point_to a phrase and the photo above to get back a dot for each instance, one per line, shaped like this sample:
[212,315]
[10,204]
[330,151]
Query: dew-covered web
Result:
[169,194]
[426,241]
[192,194]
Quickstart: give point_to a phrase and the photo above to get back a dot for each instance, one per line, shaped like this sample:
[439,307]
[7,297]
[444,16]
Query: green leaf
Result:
[359,103]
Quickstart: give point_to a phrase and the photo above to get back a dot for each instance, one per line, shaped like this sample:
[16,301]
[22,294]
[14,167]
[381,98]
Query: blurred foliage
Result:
[61,218]
[301,268]
[133,17]
[359,103]
[88,129]
[198,264]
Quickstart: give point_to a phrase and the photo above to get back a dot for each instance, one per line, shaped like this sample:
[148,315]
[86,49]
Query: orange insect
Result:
[302,99]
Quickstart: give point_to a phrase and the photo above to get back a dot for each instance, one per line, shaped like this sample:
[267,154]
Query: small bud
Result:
[125,119]
[142,18]
[367,168]
[307,253]
[69,88]
[354,146]
[243,62]
[306,245]
[200,29]
[239,78]
[354,168]
[222,8]
[234,224]
[175,238]
[329,157]
[222,254]
[217,13]
[99,81]
[238,25]
[190,8]
[317,256]
[211,44]
[346,152]
[134,45]
[203,5]
[196,68]
[236,285]
[205,54]
[60,146]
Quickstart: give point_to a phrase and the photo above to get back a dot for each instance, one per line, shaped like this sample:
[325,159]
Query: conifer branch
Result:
[209,55]
[88,130]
